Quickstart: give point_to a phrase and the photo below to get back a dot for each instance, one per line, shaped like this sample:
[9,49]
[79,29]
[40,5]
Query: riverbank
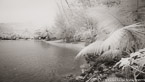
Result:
[75,46]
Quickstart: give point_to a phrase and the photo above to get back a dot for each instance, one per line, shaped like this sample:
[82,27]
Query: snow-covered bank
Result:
[75,46]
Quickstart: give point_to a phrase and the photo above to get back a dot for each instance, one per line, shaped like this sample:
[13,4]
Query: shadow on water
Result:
[35,61]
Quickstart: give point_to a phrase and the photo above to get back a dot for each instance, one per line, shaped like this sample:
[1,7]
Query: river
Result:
[35,61]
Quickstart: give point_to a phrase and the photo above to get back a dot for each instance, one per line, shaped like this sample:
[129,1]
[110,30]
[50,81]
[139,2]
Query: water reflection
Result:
[34,61]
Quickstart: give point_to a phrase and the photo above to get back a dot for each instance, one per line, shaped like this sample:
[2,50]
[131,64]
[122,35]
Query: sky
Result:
[36,12]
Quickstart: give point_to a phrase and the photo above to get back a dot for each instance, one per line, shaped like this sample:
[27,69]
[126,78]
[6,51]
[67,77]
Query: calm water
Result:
[35,61]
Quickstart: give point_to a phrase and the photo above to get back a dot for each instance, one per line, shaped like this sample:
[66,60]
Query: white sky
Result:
[41,12]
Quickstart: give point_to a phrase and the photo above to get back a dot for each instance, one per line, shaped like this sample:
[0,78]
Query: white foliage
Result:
[110,55]
[128,39]
[135,60]
[125,39]
[124,62]
[90,49]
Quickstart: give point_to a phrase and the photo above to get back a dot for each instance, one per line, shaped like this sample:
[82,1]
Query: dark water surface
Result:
[35,61]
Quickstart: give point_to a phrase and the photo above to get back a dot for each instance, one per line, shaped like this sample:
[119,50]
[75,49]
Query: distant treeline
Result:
[13,36]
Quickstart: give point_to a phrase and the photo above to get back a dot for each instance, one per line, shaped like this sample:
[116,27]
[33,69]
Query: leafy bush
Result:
[120,44]
[135,63]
